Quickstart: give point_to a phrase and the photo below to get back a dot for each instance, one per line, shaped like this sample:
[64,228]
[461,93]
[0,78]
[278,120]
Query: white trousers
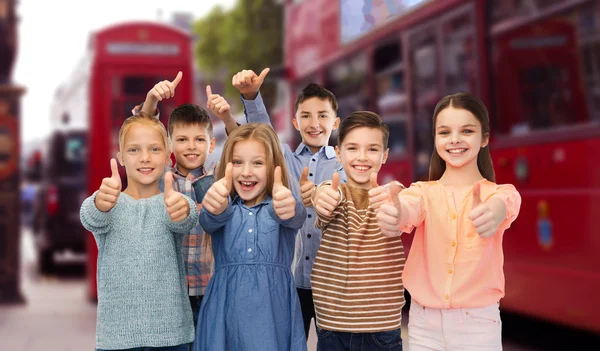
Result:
[457,329]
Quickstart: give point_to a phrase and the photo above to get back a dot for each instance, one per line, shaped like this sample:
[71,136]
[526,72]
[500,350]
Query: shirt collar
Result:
[329,151]
[238,200]
[193,175]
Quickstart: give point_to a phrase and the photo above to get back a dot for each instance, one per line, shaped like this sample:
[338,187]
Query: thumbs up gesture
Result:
[216,199]
[389,213]
[110,189]
[482,216]
[379,195]
[162,90]
[165,89]
[327,198]
[284,203]
[248,83]
[218,105]
[307,188]
[177,206]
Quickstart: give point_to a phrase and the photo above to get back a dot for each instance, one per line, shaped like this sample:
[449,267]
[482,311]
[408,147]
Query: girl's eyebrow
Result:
[466,125]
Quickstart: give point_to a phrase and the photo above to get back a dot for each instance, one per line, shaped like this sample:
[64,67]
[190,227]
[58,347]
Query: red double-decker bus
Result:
[536,65]
[121,65]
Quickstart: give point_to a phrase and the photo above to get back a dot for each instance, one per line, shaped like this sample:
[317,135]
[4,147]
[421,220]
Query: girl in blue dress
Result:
[252,218]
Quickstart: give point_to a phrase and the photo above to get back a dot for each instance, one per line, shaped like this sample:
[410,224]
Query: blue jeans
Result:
[182,347]
[342,341]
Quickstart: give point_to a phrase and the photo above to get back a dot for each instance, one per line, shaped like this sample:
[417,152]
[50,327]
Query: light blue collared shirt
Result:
[321,166]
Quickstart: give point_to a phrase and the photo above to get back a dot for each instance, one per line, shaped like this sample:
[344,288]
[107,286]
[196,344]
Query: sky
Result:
[53,36]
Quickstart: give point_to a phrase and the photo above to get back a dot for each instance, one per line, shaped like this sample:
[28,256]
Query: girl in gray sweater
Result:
[142,297]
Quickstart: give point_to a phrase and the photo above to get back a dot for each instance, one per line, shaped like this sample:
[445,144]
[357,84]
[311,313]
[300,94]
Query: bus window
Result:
[426,92]
[460,54]
[547,73]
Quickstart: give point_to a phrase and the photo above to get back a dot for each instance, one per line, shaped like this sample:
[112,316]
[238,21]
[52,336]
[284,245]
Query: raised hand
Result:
[379,195]
[284,203]
[307,188]
[327,198]
[217,105]
[216,199]
[389,213]
[482,216]
[178,207]
[165,89]
[248,83]
[110,189]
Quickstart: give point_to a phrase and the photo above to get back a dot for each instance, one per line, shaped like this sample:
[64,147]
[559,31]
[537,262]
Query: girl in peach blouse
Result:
[454,270]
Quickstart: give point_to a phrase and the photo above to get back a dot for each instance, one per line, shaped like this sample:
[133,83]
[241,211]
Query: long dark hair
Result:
[474,105]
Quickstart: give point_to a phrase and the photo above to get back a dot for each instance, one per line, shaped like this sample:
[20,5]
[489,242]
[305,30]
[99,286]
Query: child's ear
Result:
[120,158]
[336,124]
[485,140]
[213,142]
[337,154]
[385,156]
[295,123]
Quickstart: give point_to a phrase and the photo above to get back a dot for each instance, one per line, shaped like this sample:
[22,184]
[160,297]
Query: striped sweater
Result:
[357,275]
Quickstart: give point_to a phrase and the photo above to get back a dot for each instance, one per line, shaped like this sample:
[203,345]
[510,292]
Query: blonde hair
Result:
[146,120]
[265,135]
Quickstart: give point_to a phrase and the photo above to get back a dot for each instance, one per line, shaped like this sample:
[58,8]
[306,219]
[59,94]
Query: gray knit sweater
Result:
[142,297]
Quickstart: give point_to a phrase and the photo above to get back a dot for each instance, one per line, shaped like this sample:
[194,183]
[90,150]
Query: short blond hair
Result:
[146,120]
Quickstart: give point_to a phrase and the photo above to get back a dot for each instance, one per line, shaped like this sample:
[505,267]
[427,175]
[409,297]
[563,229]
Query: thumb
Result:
[228,176]
[335,181]
[168,184]
[277,177]
[208,91]
[177,79]
[115,170]
[476,195]
[394,191]
[263,74]
[374,180]
[304,176]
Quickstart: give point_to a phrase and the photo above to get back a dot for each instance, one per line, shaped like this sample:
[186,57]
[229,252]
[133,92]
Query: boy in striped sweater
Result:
[357,275]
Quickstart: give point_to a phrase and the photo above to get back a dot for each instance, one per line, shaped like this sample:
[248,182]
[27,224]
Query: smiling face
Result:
[191,145]
[144,155]
[362,152]
[315,120]
[250,171]
[458,137]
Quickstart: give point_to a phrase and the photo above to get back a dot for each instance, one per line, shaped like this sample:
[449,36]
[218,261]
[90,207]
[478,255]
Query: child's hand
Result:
[216,199]
[482,216]
[218,105]
[388,215]
[177,206]
[307,188]
[379,195]
[248,83]
[284,203]
[327,198]
[110,189]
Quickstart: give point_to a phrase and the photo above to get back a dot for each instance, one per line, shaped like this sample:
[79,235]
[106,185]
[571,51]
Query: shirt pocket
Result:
[268,227]
[473,248]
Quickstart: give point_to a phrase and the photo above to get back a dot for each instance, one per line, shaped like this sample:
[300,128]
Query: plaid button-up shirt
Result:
[198,261]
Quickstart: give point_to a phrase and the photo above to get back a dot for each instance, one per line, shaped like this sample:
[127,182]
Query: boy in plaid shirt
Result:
[190,137]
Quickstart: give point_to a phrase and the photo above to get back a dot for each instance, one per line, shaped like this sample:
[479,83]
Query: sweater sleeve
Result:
[93,219]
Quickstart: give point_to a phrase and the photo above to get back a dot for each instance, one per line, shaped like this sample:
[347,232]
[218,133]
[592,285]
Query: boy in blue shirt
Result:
[312,162]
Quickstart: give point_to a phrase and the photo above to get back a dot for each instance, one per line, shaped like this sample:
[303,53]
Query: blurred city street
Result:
[56,316]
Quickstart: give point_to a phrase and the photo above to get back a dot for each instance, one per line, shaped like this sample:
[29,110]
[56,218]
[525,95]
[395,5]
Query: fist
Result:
[284,203]
[109,191]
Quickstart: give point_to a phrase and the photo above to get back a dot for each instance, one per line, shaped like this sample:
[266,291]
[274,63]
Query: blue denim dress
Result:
[251,301]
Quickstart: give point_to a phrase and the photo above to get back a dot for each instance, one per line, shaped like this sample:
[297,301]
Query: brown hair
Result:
[474,105]
[360,119]
[315,90]
[189,114]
